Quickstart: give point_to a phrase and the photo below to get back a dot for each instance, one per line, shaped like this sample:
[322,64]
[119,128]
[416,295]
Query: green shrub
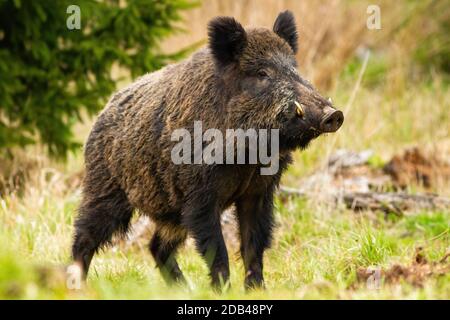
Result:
[50,74]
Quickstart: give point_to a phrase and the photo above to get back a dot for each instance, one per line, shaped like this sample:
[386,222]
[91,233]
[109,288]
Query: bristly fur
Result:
[244,79]
[285,27]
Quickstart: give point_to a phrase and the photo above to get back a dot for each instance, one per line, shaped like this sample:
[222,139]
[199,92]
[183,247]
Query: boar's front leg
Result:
[163,247]
[202,219]
[255,216]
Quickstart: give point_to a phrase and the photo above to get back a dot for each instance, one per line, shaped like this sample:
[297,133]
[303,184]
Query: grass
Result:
[317,250]
[315,255]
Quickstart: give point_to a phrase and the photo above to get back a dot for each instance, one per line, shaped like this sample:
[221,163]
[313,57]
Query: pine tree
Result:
[51,70]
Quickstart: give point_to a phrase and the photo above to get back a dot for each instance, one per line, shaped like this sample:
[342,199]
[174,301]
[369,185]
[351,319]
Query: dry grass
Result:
[329,31]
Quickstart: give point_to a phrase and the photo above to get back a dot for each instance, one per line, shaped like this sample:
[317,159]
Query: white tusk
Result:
[299,109]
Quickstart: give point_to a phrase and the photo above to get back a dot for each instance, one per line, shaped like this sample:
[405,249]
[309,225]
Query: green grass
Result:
[316,250]
[315,254]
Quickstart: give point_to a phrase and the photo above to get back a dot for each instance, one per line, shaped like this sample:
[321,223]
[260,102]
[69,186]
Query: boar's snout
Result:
[332,120]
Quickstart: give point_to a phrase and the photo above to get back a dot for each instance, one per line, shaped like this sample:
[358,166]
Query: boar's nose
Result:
[332,121]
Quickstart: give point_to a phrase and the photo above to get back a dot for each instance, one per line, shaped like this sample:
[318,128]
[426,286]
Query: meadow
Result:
[391,102]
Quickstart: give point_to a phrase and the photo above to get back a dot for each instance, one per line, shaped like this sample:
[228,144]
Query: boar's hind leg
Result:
[99,218]
[255,216]
[163,247]
[203,223]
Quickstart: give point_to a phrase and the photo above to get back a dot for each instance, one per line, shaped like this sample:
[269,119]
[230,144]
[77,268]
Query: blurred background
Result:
[392,84]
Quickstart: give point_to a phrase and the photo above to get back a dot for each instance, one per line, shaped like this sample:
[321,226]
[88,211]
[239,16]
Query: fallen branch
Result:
[389,202]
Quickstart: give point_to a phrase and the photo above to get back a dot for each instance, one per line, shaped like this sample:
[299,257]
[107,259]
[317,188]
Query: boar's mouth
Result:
[309,122]
[302,139]
[307,136]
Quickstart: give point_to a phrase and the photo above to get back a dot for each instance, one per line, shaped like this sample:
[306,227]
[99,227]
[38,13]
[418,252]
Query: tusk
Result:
[329,100]
[300,110]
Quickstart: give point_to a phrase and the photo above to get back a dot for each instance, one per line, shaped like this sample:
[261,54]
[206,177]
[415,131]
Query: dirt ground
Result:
[416,273]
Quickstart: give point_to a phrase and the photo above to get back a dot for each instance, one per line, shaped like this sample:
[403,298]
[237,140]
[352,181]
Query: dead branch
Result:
[389,202]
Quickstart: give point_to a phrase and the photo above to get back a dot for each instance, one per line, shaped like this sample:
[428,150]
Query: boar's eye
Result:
[263,74]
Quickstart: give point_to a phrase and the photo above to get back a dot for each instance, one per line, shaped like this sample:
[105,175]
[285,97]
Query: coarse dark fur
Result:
[245,78]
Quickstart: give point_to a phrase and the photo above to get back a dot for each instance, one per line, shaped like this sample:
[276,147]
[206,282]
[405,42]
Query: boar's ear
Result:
[227,39]
[285,27]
